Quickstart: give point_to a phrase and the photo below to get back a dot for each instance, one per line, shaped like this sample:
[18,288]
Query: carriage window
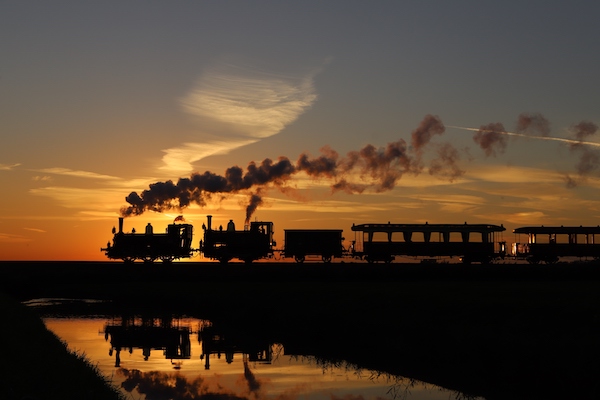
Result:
[436,237]
[418,237]
[562,238]
[380,237]
[398,237]
[477,237]
[542,238]
[456,237]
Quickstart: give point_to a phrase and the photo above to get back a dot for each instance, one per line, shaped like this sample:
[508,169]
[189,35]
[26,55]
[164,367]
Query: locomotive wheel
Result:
[326,259]
[299,259]
[224,260]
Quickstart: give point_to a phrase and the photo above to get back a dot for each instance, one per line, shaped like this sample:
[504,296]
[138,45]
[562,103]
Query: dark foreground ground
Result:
[502,332]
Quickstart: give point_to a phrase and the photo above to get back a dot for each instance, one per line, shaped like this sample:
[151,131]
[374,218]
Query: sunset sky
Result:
[101,99]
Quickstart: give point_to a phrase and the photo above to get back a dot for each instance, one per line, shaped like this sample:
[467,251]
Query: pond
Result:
[150,357]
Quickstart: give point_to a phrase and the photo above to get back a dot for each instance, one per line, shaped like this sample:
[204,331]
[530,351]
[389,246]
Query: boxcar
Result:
[324,243]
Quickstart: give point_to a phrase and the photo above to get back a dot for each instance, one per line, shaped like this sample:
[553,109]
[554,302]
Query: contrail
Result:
[556,139]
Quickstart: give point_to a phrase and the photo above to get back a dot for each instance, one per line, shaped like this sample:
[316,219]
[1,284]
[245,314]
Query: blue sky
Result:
[99,99]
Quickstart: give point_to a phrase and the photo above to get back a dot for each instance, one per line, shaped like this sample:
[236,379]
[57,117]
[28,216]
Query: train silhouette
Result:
[374,242]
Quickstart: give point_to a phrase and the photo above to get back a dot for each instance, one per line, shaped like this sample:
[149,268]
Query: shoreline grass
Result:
[38,365]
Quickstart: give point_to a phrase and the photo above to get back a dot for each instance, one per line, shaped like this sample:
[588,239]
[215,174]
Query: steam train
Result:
[175,243]
[482,243]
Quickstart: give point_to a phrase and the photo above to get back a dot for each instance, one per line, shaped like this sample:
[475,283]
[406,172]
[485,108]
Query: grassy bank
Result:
[37,365]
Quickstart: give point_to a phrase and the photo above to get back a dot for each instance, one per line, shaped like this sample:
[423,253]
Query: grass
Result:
[37,365]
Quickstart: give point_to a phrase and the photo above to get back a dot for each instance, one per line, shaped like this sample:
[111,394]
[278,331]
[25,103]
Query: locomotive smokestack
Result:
[209,218]
[120,224]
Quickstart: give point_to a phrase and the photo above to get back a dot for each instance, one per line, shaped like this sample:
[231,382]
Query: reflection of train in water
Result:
[481,243]
[149,334]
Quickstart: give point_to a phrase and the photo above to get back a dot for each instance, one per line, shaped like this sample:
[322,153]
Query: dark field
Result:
[499,331]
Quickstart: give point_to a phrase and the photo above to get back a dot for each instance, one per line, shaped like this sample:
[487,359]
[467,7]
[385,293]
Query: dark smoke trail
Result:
[429,126]
[199,188]
[583,130]
[379,170]
[446,165]
[255,201]
[533,124]
[589,159]
[491,138]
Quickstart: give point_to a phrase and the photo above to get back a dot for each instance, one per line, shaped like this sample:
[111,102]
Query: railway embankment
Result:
[499,331]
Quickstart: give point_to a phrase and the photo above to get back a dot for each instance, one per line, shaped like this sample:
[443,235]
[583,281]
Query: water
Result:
[145,357]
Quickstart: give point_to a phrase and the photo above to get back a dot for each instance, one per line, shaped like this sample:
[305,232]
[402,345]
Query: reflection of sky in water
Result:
[286,377]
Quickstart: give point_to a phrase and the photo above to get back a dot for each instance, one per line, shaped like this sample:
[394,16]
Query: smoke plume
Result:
[589,158]
[379,169]
[491,138]
[534,124]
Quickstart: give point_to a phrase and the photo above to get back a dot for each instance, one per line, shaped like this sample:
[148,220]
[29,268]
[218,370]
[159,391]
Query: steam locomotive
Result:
[481,243]
[175,243]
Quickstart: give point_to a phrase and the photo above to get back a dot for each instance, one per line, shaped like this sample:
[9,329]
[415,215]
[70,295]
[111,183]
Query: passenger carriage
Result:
[469,242]
[549,243]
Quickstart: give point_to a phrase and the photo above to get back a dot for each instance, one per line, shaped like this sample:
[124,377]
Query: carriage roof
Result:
[585,230]
[427,227]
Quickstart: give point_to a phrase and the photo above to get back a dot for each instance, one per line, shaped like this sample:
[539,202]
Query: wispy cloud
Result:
[35,230]
[75,173]
[44,178]
[236,106]
[100,199]
[181,158]
[8,167]
[11,238]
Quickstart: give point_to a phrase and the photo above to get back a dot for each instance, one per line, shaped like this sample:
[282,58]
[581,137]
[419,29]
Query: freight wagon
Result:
[324,243]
